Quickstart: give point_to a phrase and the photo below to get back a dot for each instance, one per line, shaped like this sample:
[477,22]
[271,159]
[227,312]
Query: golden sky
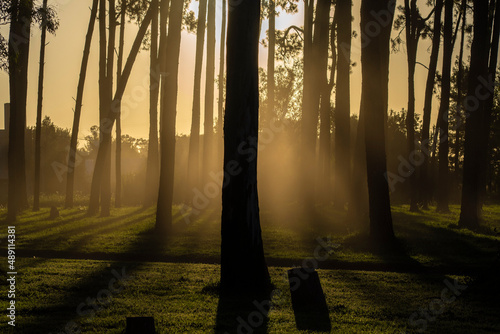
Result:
[63,59]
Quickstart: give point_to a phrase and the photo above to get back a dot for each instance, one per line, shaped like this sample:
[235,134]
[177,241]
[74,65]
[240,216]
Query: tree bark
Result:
[222,81]
[475,123]
[325,120]
[19,42]
[243,267]
[413,31]
[343,103]
[495,29]
[70,182]
[442,191]
[38,133]
[208,128]
[375,71]
[119,66]
[429,92]
[194,139]
[460,76]
[169,111]
[152,169]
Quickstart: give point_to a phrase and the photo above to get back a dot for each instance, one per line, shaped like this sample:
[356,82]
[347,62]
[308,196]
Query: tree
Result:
[442,191]
[110,114]
[325,117]
[375,71]
[78,108]
[222,81]
[429,90]
[169,110]
[21,12]
[475,123]
[208,129]
[119,67]
[243,266]
[342,102]
[152,168]
[415,28]
[38,134]
[194,139]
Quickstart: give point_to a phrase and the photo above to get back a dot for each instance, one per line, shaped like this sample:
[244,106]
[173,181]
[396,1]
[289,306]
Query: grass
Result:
[178,297]
[64,261]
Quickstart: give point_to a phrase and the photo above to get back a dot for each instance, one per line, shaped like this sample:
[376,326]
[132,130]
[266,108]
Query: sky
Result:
[64,54]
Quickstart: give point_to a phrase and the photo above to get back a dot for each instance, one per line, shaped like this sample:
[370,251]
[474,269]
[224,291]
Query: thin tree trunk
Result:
[243,266]
[152,169]
[194,139]
[343,104]
[111,114]
[169,111]
[106,133]
[429,91]
[38,134]
[469,212]
[374,61]
[413,30]
[70,182]
[270,114]
[208,129]
[325,120]
[460,76]
[489,104]
[119,66]
[442,191]
[222,81]
[309,113]
[19,41]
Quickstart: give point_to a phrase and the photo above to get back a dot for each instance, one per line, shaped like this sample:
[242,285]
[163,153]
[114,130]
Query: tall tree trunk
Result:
[95,189]
[270,112]
[442,191]
[70,182]
[110,114]
[343,103]
[374,61]
[208,129]
[309,113]
[38,134]
[194,139]
[429,91]
[493,61]
[325,120]
[119,66]
[19,42]
[106,133]
[152,169]
[222,81]
[169,111]
[243,266]
[413,31]
[475,123]
[460,76]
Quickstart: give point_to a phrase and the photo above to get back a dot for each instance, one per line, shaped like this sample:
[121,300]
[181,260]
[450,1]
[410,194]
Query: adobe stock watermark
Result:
[219,180]
[256,318]
[419,320]
[417,157]
[88,309]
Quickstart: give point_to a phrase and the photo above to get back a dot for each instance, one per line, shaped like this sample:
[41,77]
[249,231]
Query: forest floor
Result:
[66,264]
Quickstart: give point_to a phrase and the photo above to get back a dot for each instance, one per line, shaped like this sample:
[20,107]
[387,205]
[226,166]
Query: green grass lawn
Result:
[69,261]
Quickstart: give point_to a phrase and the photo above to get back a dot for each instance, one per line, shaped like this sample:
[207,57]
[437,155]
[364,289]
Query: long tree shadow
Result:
[242,313]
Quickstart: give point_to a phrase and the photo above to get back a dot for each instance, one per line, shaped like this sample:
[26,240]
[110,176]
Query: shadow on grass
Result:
[241,313]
